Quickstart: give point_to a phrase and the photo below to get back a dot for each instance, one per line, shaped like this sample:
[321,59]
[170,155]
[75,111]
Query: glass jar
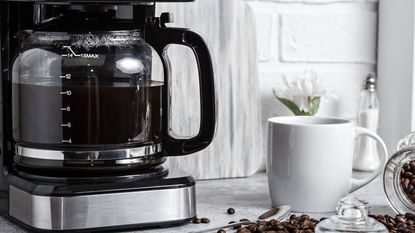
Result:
[399,176]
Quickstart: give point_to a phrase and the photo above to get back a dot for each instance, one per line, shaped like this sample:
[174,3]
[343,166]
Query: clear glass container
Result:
[367,158]
[86,91]
[399,176]
[352,216]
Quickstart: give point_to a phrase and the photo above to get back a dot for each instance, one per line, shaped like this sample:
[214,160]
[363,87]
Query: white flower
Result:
[312,85]
[302,90]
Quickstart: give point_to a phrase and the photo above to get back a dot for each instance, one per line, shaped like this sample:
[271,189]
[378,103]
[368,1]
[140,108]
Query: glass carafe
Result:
[86,90]
[99,100]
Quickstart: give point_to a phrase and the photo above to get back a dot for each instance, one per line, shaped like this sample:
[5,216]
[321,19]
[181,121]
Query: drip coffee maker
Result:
[85,115]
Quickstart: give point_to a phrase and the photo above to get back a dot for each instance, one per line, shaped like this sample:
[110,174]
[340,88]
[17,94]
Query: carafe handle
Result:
[160,37]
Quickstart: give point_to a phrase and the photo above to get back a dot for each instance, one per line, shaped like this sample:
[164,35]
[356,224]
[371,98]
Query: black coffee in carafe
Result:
[87,116]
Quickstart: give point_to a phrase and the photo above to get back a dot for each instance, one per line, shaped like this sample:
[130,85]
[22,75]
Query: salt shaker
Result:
[352,216]
[366,157]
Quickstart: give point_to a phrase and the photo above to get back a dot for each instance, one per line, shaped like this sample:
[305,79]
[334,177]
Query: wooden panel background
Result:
[228,27]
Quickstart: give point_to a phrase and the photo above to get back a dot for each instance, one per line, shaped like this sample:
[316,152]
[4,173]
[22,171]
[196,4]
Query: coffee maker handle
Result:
[160,38]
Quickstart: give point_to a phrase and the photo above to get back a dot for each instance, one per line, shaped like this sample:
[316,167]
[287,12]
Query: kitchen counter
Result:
[248,196]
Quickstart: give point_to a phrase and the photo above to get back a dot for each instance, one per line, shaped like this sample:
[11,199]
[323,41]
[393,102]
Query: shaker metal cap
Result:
[370,84]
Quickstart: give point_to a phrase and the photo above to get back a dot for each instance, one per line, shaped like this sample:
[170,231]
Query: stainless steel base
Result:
[102,210]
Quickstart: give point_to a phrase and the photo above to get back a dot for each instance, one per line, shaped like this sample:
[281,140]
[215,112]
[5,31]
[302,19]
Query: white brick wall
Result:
[337,38]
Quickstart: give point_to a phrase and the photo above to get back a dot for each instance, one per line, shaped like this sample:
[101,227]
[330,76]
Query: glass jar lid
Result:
[399,176]
[352,216]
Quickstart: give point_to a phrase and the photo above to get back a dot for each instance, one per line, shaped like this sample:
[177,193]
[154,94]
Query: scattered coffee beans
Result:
[231,211]
[205,220]
[200,220]
[294,224]
[408,180]
[399,224]
[305,224]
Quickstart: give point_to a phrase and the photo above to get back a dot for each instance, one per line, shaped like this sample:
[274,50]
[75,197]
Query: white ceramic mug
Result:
[310,160]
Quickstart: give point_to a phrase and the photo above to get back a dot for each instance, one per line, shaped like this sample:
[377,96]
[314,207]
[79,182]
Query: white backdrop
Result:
[396,69]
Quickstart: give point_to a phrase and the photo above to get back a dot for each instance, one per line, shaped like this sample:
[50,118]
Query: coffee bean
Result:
[205,220]
[196,220]
[410,216]
[379,217]
[405,183]
[407,174]
[391,220]
[243,230]
[305,216]
[400,219]
[243,220]
[221,231]
[410,188]
[231,211]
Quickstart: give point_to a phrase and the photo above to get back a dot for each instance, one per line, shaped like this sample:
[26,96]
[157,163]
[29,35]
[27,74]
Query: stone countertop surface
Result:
[248,196]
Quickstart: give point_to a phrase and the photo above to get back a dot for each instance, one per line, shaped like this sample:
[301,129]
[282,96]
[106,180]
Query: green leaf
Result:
[315,105]
[291,105]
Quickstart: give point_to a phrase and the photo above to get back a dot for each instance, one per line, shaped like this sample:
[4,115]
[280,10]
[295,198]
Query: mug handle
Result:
[358,183]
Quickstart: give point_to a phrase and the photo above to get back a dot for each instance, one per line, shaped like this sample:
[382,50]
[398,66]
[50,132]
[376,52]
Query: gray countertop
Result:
[248,196]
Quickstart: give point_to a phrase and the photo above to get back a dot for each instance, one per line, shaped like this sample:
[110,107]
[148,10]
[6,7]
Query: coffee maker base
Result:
[159,202]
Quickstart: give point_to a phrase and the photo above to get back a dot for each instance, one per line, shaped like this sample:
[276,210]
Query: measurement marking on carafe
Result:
[67,141]
[66,76]
[69,125]
[82,55]
[68,109]
[72,54]
[66,93]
